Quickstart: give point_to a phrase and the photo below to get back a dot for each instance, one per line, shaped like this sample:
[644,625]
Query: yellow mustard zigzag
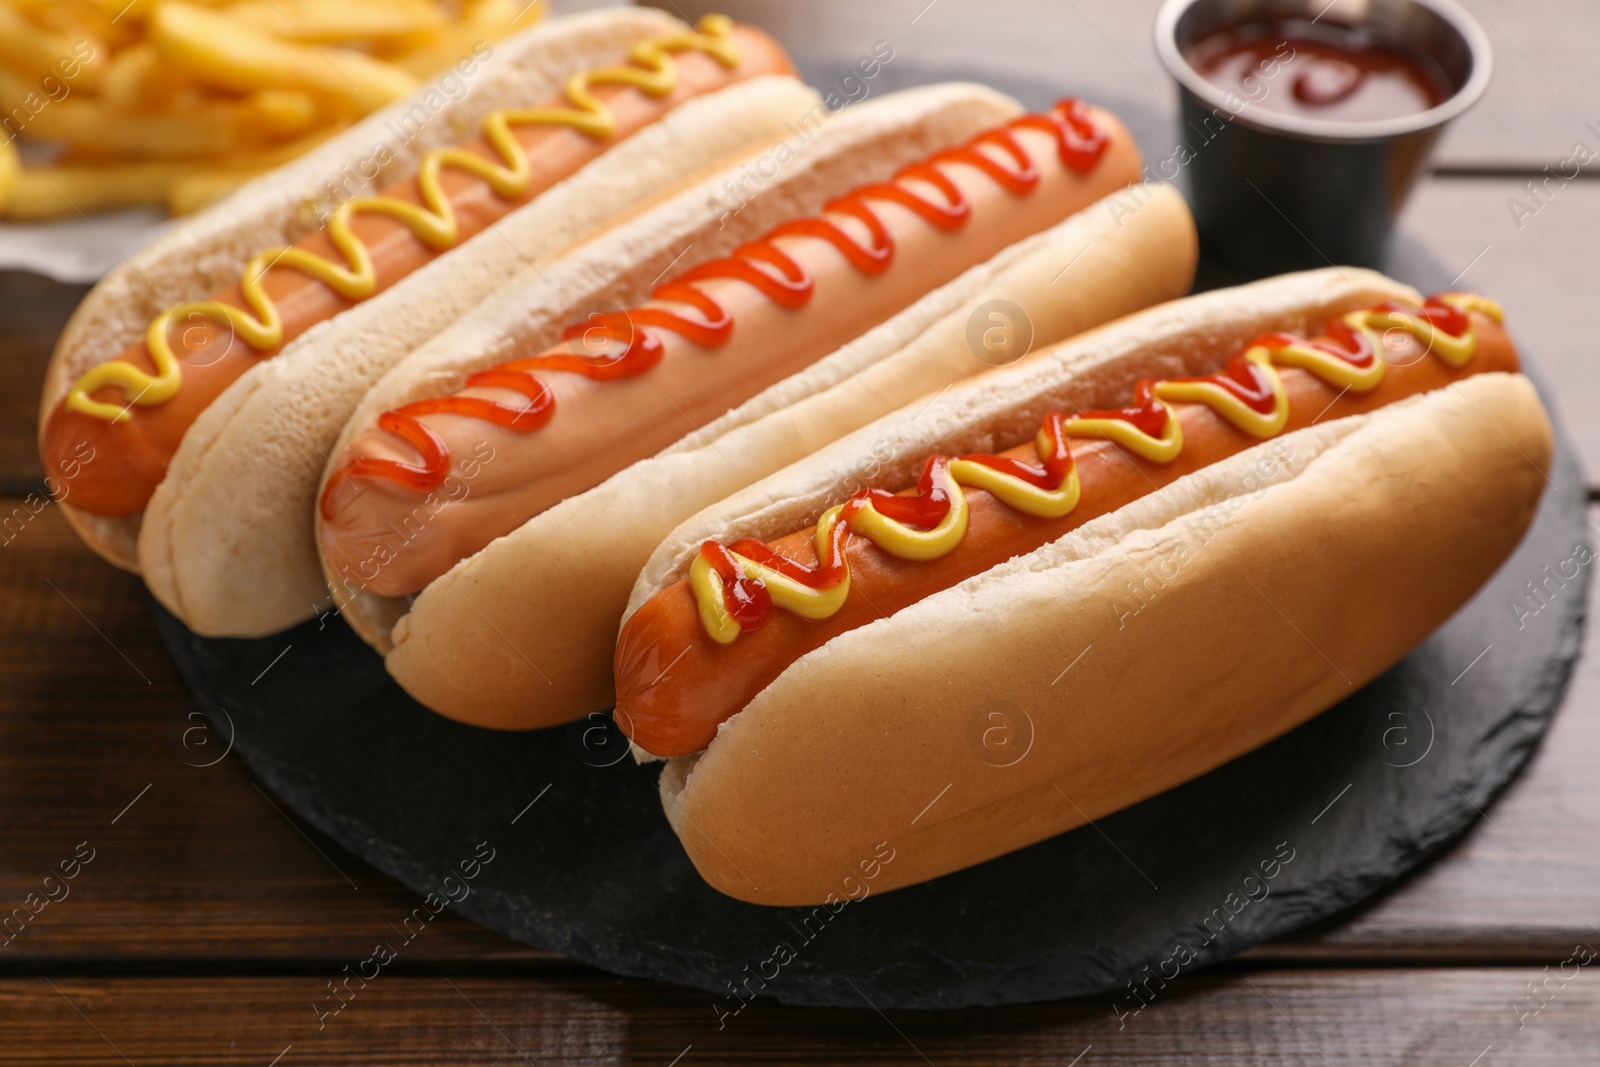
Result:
[432,222]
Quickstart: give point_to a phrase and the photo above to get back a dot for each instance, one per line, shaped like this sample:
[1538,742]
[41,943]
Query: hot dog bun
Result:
[208,251]
[807,780]
[556,586]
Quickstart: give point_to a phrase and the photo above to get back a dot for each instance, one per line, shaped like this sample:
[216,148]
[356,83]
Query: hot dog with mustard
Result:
[1328,383]
[334,267]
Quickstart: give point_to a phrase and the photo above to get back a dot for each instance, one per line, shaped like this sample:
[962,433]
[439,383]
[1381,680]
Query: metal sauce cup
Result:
[1274,192]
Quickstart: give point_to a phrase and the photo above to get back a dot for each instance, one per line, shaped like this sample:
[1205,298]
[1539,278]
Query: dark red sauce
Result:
[1319,71]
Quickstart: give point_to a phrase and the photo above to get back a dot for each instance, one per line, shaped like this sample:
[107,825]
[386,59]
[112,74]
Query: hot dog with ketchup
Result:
[1410,407]
[360,251]
[603,441]
[634,381]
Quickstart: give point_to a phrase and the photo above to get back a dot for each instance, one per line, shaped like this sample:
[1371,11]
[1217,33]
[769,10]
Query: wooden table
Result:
[209,918]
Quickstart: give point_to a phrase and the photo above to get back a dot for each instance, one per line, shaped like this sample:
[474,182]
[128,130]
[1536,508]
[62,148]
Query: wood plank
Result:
[1545,80]
[100,743]
[1543,271]
[1317,1018]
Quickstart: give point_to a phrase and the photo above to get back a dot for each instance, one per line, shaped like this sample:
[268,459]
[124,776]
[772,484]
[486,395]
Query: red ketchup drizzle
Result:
[1246,381]
[1146,414]
[1345,341]
[759,263]
[1440,315]
[747,599]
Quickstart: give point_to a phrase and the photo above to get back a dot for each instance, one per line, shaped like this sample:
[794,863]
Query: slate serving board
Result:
[585,865]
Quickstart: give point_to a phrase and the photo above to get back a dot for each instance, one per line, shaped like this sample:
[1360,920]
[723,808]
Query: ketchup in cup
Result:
[1304,124]
[1321,72]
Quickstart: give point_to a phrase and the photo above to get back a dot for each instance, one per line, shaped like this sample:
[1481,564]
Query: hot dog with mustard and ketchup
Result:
[1324,459]
[564,440]
[335,266]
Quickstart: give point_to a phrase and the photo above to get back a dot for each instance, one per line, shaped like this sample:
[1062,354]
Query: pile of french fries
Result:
[175,103]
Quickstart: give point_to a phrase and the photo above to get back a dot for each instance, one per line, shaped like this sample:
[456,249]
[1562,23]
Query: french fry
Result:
[225,52]
[51,192]
[125,17]
[128,76]
[206,131]
[206,128]
[20,104]
[115,23]
[486,21]
[14,91]
[175,103]
[76,20]
[9,165]
[280,113]
[333,21]
[32,53]
[191,192]
[136,78]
